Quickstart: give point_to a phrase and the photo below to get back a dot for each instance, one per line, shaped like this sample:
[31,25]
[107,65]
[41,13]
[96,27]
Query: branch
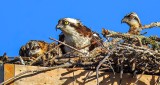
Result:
[108,33]
[134,39]
[101,62]
[154,24]
[141,75]
[21,60]
[67,45]
[38,58]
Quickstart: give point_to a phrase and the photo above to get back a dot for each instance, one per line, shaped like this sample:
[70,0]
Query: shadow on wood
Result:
[63,76]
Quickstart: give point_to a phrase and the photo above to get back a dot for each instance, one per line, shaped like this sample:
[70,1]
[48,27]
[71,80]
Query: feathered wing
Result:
[138,19]
[61,38]
[95,41]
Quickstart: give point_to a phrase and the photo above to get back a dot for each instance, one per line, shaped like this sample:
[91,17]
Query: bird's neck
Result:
[134,30]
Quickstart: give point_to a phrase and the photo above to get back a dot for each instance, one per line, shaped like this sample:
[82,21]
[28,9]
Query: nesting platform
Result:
[64,76]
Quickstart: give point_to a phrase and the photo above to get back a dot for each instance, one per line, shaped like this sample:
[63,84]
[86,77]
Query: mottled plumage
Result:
[134,22]
[34,48]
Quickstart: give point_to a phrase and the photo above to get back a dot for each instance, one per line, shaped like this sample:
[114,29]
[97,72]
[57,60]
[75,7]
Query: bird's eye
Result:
[66,22]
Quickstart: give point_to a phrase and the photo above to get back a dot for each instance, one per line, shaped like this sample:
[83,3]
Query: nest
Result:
[122,53]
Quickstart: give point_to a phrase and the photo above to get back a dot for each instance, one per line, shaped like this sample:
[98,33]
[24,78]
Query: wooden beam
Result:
[62,76]
[9,72]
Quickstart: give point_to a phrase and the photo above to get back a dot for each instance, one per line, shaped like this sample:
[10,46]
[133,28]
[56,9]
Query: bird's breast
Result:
[77,41]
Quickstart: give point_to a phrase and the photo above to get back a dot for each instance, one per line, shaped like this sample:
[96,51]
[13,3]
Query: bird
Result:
[4,58]
[77,35]
[35,48]
[134,22]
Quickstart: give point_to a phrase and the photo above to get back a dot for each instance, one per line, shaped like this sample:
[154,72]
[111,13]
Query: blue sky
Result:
[24,20]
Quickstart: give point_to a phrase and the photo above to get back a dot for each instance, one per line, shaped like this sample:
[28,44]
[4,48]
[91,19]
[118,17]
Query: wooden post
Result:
[9,72]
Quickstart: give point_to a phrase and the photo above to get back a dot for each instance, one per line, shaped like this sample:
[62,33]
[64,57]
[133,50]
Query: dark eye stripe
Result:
[73,25]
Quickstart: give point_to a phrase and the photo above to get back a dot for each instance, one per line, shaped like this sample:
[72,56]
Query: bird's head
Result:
[33,48]
[132,19]
[67,25]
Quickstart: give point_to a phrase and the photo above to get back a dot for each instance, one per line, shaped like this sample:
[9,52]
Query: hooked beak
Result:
[58,26]
[123,20]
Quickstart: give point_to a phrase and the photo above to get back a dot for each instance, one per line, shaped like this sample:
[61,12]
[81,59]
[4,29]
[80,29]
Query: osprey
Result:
[38,48]
[133,21]
[75,34]
[35,48]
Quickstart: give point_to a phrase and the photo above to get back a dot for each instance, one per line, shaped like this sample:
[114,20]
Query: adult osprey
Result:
[75,34]
[133,21]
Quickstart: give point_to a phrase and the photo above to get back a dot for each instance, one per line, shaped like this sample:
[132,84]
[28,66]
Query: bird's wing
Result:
[95,41]
[61,38]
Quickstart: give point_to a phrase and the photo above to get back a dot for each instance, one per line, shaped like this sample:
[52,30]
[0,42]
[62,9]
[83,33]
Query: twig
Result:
[53,58]
[90,44]
[50,61]
[101,62]
[157,81]
[111,67]
[141,74]
[121,72]
[67,45]
[38,58]
[21,60]
[97,68]
[88,75]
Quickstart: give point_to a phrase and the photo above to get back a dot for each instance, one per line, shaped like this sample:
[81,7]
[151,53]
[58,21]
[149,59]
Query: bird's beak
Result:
[58,26]
[123,20]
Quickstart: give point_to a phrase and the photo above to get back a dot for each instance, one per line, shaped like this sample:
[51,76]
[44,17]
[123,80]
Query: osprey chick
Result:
[133,21]
[33,48]
[75,34]
[38,48]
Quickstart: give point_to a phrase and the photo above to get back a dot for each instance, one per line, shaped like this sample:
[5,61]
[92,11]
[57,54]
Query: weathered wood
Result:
[63,76]
[9,71]
[1,74]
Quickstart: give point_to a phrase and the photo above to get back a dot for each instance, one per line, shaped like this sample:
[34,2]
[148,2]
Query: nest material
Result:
[122,53]
[126,52]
